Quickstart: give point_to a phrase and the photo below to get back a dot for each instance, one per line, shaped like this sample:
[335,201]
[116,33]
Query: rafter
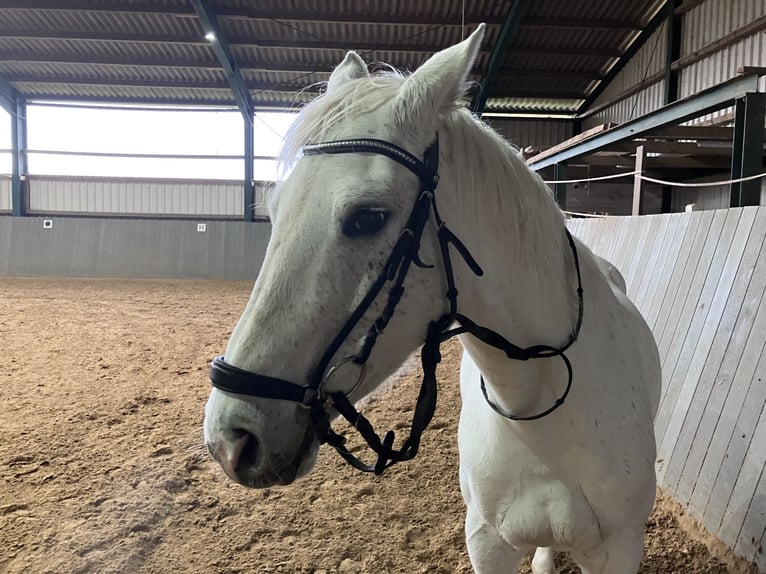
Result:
[155,83]
[513,18]
[153,62]
[590,75]
[257,14]
[250,65]
[632,50]
[276,105]
[582,24]
[564,51]
[543,94]
[8,95]
[329,45]
[220,46]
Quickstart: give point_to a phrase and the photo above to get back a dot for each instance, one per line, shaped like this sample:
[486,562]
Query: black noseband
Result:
[405,252]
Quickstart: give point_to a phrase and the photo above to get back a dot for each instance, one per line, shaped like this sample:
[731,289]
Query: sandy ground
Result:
[102,467]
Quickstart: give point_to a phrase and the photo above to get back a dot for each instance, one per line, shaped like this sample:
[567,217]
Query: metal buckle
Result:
[334,369]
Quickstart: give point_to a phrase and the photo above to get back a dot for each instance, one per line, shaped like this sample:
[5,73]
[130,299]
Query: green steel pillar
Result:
[18,156]
[249,196]
[560,189]
[747,152]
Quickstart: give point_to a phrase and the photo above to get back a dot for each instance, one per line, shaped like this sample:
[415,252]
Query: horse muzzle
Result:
[254,454]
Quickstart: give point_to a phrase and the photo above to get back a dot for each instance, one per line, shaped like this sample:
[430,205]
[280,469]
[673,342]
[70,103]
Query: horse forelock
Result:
[326,115]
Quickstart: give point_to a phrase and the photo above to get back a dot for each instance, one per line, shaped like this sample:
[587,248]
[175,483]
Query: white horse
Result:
[581,478]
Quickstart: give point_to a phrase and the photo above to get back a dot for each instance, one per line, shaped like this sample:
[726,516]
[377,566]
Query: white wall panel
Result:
[107,196]
[5,193]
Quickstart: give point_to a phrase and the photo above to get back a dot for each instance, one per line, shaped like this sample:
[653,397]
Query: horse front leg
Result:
[542,562]
[489,553]
[621,554]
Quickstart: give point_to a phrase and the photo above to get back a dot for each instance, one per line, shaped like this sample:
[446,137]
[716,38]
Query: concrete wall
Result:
[91,247]
[700,281]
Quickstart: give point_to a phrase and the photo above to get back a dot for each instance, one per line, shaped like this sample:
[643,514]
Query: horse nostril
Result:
[245,450]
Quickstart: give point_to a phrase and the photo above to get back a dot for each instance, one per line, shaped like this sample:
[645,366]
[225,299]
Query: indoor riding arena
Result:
[139,147]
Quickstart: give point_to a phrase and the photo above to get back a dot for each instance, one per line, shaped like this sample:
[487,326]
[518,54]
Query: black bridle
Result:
[313,396]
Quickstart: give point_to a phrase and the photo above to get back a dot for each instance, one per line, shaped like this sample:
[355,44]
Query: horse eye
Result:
[366,221]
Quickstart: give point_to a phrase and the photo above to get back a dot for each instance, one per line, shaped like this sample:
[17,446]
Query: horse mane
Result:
[487,167]
[483,165]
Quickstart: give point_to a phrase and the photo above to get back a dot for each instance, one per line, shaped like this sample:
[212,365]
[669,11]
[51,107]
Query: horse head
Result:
[338,220]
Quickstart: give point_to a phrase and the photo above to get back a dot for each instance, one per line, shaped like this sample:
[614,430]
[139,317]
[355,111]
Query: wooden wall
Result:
[700,280]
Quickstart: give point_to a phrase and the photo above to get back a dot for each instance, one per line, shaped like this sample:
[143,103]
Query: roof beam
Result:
[276,105]
[580,24]
[153,62]
[678,112]
[590,75]
[220,46]
[249,65]
[256,14]
[564,51]
[497,56]
[651,27]
[536,94]
[157,83]
[88,35]
[8,96]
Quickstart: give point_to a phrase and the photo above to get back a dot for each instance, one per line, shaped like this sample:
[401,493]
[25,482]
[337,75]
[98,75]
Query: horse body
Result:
[580,479]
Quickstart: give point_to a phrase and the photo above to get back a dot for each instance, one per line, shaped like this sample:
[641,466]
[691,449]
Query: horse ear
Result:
[351,68]
[437,85]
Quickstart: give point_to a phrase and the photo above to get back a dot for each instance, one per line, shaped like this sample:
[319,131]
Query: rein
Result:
[405,252]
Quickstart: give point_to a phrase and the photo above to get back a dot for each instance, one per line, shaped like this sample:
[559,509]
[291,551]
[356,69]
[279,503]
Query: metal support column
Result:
[240,92]
[516,11]
[18,156]
[673,27]
[249,196]
[667,199]
[638,196]
[747,152]
[560,189]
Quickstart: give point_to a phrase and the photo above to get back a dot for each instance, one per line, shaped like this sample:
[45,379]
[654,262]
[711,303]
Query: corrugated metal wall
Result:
[5,193]
[699,279]
[532,132]
[709,22]
[702,198]
[712,197]
[703,25]
[147,197]
[648,61]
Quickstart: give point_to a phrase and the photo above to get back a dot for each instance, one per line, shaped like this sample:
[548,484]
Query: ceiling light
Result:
[210,36]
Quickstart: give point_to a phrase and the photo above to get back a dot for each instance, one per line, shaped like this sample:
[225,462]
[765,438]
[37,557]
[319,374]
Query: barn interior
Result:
[625,108]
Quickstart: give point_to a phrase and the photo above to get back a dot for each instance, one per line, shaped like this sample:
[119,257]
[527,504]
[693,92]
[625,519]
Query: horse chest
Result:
[522,500]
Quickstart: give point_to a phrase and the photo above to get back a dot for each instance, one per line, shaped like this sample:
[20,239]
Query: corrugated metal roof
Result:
[154,51]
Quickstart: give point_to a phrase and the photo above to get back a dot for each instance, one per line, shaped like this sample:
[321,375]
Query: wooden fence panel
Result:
[700,280]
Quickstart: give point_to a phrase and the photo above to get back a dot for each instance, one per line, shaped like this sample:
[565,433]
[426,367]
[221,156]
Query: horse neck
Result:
[508,220]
